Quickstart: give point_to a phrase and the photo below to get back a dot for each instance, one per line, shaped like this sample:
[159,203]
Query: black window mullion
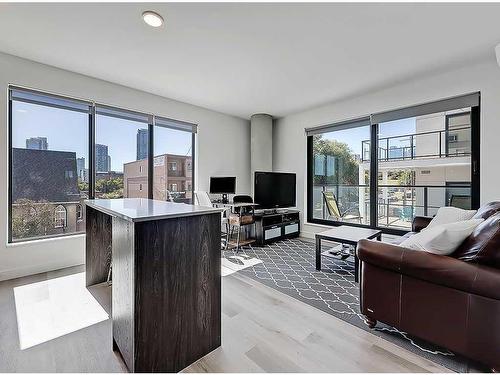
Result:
[310,177]
[10,170]
[91,175]
[374,175]
[151,156]
[475,156]
[193,155]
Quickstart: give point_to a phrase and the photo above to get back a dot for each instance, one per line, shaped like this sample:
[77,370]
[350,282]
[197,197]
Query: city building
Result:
[37,143]
[172,179]
[80,169]
[142,144]
[102,159]
[45,180]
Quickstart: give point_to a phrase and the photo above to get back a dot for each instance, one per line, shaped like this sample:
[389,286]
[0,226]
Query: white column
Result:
[261,144]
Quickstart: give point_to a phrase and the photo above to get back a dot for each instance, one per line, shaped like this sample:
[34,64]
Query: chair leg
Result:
[238,240]
[227,236]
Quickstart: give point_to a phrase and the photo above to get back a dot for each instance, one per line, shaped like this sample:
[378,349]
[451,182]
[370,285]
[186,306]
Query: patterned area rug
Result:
[289,267]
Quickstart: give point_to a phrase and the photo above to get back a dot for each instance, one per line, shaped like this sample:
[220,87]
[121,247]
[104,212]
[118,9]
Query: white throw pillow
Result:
[442,239]
[446,215]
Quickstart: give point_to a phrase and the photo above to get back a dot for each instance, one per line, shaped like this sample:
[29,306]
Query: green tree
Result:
[83,186]
[345,170]
[112,188]
[406,177]
[31,218]
[346,165]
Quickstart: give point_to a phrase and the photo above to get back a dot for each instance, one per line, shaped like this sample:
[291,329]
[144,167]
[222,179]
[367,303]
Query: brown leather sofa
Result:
[451,301]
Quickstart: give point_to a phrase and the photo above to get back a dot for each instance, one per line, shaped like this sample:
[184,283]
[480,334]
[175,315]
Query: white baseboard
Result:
[14,273]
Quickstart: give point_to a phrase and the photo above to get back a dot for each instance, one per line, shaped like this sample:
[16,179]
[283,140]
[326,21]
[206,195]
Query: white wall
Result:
[289,144]
[223,148]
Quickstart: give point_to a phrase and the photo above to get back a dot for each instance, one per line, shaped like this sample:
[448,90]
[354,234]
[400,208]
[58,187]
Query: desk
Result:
[166,292]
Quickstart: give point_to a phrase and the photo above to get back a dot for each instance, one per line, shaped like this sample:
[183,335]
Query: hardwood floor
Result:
[263,331]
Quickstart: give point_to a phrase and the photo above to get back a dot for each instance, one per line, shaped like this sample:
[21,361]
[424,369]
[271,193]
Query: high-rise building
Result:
[101,158]
[109,163]
[37,143]
[142,144]
[80,168]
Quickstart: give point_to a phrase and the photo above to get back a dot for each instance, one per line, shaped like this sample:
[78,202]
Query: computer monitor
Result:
[223,185]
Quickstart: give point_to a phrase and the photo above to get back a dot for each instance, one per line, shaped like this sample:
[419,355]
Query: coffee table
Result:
[346,234]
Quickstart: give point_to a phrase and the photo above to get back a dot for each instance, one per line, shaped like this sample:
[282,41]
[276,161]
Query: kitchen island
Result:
[166,278]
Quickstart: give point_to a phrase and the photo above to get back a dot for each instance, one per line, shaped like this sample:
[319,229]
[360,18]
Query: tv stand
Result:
[276,225]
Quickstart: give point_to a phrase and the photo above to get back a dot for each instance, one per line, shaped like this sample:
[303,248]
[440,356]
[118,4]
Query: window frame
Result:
[374,185]
[92,105]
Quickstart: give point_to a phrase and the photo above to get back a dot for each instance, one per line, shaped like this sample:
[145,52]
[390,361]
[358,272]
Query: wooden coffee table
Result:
[345,234]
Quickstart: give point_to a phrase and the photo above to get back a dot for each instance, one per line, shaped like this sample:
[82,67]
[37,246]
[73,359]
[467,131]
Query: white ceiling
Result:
[252,58]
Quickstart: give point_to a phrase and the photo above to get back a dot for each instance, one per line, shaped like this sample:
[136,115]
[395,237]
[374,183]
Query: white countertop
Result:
[141,209]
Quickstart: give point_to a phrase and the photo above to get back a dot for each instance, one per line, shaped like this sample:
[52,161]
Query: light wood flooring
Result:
[263,331]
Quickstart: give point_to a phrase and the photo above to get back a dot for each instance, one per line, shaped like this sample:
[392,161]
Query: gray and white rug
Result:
[289,267]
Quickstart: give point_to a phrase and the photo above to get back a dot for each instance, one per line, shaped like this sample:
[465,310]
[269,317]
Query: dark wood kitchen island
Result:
[166,289]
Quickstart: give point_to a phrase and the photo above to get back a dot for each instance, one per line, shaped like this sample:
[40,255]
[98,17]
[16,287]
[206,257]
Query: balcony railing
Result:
[432,144]
[397,205]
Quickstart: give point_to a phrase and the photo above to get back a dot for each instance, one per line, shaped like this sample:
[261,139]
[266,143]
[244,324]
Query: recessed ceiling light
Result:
[152,18]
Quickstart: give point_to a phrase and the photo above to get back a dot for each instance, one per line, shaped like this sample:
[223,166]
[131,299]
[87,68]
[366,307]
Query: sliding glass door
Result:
[424,162]
[340,174]
[426,157]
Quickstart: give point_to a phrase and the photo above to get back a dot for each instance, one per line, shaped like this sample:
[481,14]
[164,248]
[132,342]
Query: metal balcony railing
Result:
[432,144]
[396,205]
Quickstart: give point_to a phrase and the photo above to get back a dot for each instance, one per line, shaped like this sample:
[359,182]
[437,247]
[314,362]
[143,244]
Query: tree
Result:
[112,188]
[31,218]
[347,167]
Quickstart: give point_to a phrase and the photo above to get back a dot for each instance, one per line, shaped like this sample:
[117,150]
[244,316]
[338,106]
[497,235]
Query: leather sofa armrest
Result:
[436,269]
[420,222]
[381,254]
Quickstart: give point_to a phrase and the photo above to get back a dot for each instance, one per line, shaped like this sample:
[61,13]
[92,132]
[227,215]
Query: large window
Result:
[121,153]
[426,157]
[340,179]
[63,151]
[419,159]
[49,150]
[173,161]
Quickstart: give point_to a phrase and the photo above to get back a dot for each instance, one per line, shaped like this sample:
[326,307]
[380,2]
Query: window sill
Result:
[35,242]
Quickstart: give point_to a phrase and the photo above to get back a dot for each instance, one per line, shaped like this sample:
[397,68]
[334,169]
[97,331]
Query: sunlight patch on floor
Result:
[53,308]
[236,263]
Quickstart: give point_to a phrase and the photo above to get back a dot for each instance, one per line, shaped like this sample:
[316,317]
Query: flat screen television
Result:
[222,185]
[274,190]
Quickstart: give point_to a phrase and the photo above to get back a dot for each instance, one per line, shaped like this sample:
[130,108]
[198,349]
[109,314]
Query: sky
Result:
[68,131]
[353,137]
